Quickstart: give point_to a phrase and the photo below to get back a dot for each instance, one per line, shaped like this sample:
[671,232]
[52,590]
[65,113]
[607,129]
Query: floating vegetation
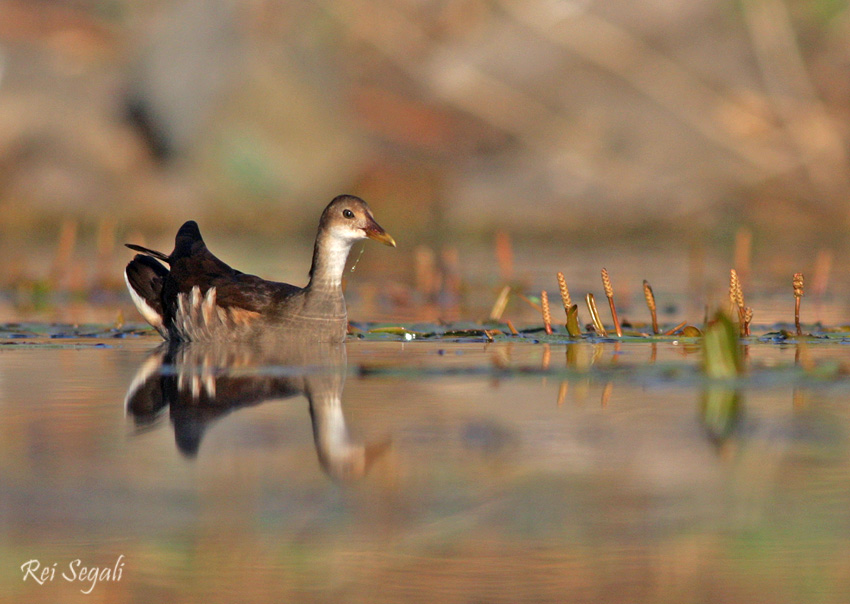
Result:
[396,330]
[722,363]
[721,350]
[64,335]
[573,327]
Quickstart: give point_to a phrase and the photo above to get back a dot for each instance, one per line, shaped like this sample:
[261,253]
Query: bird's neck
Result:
[329,257]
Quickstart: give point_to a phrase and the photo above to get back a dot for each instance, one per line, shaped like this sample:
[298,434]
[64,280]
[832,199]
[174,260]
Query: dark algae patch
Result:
[53,335]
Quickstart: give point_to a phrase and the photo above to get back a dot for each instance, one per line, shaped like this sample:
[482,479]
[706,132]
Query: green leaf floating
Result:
[721,350]
[572,322]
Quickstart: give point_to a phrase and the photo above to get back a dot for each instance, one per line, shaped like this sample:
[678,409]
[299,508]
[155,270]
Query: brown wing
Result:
[193,265]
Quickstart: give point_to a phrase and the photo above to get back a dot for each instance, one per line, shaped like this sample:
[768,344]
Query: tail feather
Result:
[145,277]
[147,252]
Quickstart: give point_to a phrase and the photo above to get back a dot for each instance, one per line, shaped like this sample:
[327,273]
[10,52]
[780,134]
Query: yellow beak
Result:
[376,232]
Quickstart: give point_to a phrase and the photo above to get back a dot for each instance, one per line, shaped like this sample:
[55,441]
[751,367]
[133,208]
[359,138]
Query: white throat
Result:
[331,264]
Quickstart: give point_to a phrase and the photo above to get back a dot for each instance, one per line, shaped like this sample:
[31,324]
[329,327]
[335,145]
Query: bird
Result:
[190,295]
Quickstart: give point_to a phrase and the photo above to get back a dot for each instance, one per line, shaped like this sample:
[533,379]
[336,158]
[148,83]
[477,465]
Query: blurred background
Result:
[497,140]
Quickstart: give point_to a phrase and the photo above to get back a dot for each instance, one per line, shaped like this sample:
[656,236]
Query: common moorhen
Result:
[200,298]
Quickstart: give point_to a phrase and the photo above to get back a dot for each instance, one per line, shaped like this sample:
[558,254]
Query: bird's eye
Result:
[348,213]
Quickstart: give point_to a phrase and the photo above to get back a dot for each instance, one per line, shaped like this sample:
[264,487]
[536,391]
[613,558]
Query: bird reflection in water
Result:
[201,383]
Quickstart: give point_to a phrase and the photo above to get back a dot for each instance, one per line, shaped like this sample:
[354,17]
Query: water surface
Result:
[422,471]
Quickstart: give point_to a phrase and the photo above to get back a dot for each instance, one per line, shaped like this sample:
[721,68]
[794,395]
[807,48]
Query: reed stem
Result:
[609,293]
[505,255]
[673,330]
[500,304]
[594,316]
[798,296]
[547,317]
[650,303]
[736,295]
[565,293]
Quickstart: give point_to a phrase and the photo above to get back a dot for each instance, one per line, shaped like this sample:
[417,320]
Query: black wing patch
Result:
[146,277]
